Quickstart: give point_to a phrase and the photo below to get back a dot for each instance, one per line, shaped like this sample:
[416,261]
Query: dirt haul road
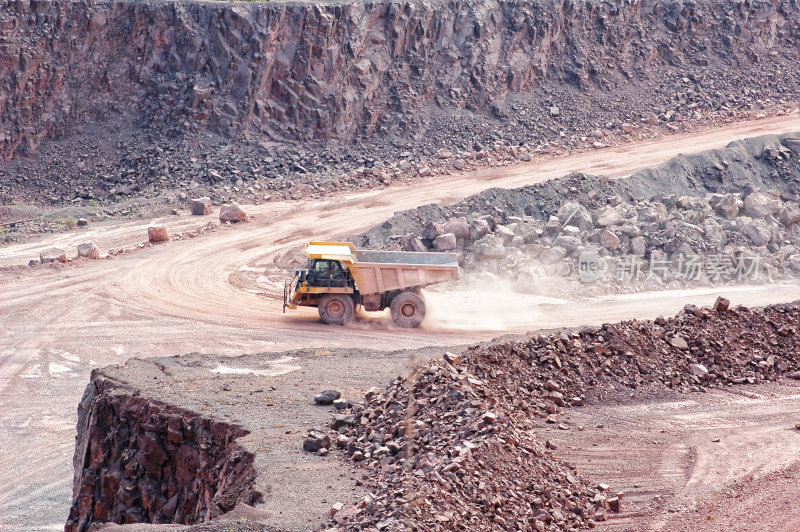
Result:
[209,294]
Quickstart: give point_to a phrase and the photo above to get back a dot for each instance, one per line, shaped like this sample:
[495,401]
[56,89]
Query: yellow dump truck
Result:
[340,277]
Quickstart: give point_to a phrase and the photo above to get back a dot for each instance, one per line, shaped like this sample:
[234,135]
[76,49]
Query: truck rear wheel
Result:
[336,309]
[408,309]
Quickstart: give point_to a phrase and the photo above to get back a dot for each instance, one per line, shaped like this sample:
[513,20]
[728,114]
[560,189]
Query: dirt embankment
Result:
[161,94]
[141,461]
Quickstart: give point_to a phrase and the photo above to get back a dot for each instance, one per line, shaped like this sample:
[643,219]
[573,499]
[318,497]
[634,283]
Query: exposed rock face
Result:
[141,461]
[360,70]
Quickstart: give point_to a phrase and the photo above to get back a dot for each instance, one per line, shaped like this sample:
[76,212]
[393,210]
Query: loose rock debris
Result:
[452,447]
[736,222]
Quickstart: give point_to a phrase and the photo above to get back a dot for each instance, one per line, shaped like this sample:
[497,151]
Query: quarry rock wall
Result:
[347,71]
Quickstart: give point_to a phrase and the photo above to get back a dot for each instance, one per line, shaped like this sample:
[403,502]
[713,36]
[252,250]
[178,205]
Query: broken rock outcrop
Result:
[365,70]
[140,461]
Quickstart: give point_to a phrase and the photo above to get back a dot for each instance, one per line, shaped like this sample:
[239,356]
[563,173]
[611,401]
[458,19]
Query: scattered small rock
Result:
[327,397]
[315,441]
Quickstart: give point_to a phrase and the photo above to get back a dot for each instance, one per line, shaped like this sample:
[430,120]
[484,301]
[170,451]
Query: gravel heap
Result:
[445,453]
[452,447]
[733,212]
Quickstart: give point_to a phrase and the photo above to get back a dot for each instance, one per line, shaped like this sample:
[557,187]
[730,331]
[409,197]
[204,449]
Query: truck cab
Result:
[324,272]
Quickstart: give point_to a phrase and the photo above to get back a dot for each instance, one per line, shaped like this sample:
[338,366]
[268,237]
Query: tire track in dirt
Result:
[674,457]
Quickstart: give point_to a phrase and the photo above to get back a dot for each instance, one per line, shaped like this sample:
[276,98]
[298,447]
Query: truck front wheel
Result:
[408,309]
[336,309]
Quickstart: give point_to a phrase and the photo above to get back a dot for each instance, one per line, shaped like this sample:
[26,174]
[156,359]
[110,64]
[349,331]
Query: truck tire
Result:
[336,309]
[408,309]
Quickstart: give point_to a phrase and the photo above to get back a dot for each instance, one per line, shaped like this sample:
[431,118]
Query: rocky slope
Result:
[150,95]
[452,446]
[719,216]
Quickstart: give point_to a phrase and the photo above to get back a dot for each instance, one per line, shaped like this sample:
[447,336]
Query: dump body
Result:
[372,279]
[376,272]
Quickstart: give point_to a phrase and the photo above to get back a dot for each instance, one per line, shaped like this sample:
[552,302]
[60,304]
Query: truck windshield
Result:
[327,269]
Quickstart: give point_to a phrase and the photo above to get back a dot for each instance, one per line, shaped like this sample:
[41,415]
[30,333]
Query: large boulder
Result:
[315,441]
[490,247]
[609,240]
[504,232]
[714,235]
[790,214]
[88,250]
[575,214]
[630,230]
[232,213]
[201,206]
[479,228]
[638,246]
[157,233]
[458,226]
[654,213]
[570,243]
[552,255]
[727,206]
[609,217]
[759,205]
[52,255]
[794,263]
[445,242]
[417,245]
[327,397]
[553,227]
[758,233]
[432,230]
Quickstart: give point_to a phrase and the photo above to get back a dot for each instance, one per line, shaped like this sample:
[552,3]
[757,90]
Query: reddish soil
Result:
[723,460]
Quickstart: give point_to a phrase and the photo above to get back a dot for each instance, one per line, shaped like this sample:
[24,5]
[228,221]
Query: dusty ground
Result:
[722,460]
[56,323]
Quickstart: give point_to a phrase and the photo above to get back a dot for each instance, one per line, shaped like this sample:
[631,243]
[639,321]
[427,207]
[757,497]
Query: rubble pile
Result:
[444,454]
[727,215]
[452,446]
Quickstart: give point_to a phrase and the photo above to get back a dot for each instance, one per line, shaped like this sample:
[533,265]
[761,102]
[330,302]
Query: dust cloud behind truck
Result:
[340,277]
